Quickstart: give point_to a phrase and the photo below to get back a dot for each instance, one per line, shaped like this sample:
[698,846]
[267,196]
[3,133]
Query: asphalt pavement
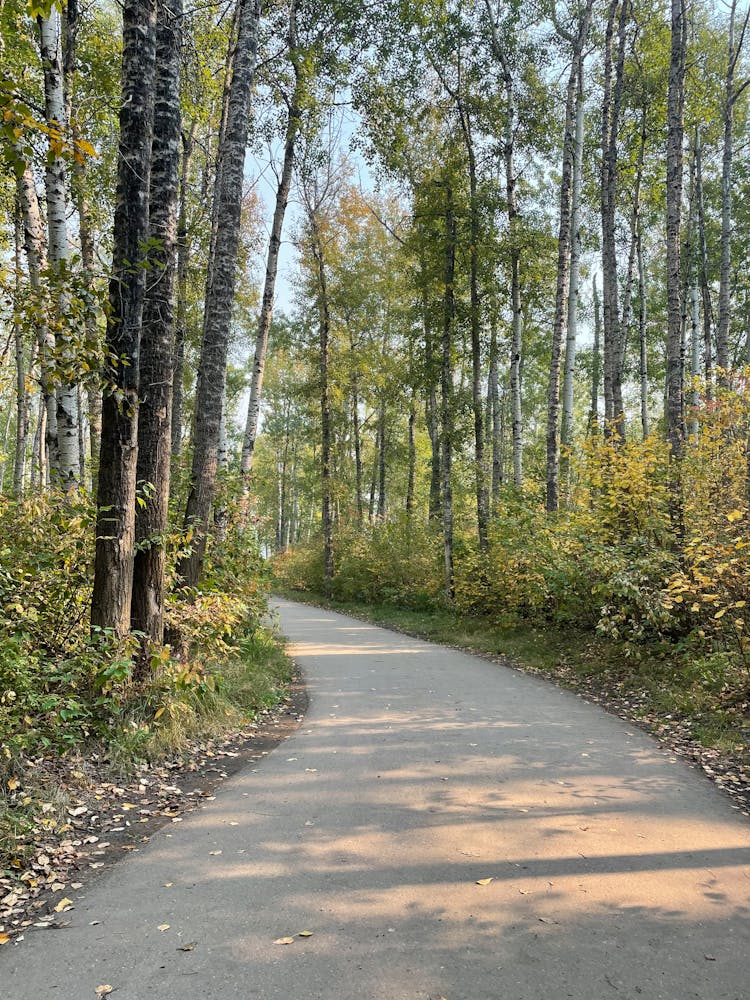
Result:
[438,827]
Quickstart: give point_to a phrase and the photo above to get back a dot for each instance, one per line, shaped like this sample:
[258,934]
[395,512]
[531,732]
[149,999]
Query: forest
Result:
[439,308]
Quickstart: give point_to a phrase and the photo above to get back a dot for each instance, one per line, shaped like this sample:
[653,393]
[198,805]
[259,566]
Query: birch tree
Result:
[220,287]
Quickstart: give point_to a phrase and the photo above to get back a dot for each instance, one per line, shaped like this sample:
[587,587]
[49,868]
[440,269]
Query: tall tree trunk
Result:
[703,256]
[157,337]
[68,455]
[183,270]
[643,347]
[22,395]
[357,434]
[220,290]
[695,369]
[294,121]
[566,425]
[115,527]
[446,391]
[326,416]
[495,417]
[480,478]
[382,462]
[511,194]
[611,105]
[593,422]
[79,189]
[675,103]
[734,48]
[412,473]
[567,235]
[35,247]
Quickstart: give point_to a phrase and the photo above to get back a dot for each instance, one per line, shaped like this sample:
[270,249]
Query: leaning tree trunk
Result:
[272,261]
[68,456]
[157,338]
[220,290]
[675,104]
[115,526]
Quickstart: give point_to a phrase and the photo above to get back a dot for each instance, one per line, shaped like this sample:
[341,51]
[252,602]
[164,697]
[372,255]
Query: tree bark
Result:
[642,329]
[115,527]
[68,455]
[611,104]
[220,290]
[675,103]
[566,425]
[22,396]
[593,422]
[294,121]
[703,254]
[183,270]
[157,338]
[566,236]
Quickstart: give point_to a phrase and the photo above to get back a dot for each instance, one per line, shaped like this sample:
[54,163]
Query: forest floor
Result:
[97,813]
[707,725]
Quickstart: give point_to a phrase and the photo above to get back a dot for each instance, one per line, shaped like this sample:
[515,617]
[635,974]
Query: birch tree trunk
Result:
[157,337]
[220,290]
[675,103]
[593,422]
[694,362]
[35,247]
[511,194]
[566,428]
[495,415]
[294,121]
[115,527]
[703,256]
[611,103]
[22,396]
[642,329]
[734,48]
[68,455]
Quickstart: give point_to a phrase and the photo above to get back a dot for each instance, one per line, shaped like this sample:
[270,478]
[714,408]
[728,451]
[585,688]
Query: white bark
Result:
[68,448]
[694,361]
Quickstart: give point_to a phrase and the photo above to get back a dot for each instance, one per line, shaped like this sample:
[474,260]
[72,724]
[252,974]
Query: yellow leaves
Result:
[735,515]
[163,927]
[485,881]
[104,989]
[64,905]
[305,934]
[284,940]
[13,784]
[4,938]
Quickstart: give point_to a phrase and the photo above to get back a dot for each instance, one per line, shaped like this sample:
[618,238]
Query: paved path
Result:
[617,872]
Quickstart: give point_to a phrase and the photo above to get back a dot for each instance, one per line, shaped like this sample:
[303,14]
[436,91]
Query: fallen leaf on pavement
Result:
[284,940]
[4,938]
[214,852]
[63,905]
[187,947]
[305,934]
[484,881]
[102,991]
[163,927]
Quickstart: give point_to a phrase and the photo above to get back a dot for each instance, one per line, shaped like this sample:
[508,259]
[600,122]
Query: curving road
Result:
[616,871]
